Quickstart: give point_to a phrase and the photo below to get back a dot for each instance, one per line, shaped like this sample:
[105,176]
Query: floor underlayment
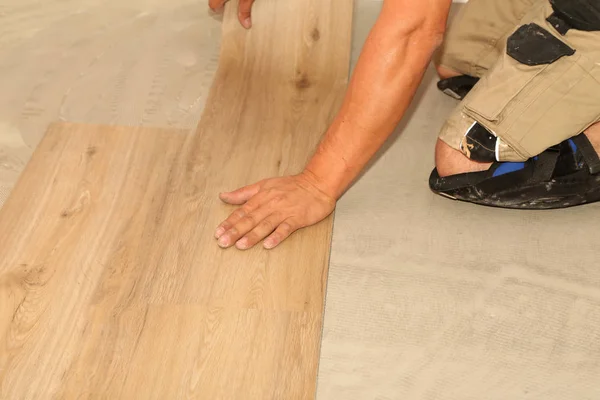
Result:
[427,298]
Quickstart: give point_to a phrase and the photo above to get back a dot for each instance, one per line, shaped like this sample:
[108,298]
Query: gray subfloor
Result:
[427,298]
[434,299]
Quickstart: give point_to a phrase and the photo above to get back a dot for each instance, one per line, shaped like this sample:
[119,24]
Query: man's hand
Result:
[244,10]
[273,208]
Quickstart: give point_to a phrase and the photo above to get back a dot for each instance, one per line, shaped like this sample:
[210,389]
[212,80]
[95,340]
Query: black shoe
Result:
[458,86]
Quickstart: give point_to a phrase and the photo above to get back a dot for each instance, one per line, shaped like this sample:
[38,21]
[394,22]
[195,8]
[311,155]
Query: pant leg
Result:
[543,88]
[475,38]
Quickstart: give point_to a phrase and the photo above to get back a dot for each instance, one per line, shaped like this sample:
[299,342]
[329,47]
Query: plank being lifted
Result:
[111,282]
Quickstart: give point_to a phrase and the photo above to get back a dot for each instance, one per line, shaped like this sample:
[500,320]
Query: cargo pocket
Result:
[531,50]
[567,108]
[534,75]
[490,98]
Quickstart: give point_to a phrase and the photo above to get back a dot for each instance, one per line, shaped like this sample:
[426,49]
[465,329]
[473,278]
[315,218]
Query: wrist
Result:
[316,179]
[328,174]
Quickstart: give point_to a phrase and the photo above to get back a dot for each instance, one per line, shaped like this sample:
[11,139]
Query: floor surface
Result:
[134,62]
[434,299]
[427,298]
[111,281]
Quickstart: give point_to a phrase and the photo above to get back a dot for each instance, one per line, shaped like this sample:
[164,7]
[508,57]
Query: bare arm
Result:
[390,68]
[387,75]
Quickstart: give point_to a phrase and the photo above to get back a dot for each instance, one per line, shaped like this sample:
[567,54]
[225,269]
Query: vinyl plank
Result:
[134,62]
[111,282]
[88,200]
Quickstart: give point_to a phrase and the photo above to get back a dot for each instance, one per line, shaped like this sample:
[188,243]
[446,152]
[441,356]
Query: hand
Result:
[244,10]
[275,208]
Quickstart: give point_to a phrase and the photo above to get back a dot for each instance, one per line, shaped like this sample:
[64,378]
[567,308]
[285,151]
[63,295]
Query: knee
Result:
[445,158]
[593,130]
[593,135]
[449,161]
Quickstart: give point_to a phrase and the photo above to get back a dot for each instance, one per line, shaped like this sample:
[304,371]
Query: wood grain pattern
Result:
[111,283]
[80,215]
[132,62]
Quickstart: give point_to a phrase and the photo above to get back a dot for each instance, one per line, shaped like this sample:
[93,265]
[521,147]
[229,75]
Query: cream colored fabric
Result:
[476,37]
[530,108]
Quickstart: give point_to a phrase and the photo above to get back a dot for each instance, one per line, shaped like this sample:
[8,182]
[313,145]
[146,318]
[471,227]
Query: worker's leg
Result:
[543,90]
[474,42]
[475,38]
[593,134]
[450,161]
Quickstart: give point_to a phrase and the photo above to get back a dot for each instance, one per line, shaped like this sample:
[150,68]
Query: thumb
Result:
[244,13]
[241,195]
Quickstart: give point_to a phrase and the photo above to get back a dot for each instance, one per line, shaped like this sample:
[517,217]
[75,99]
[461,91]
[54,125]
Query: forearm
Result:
[386,77]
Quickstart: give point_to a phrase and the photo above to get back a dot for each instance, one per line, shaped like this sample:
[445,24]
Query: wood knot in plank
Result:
[315,34]
[91,151]
[302,82]
[80,205]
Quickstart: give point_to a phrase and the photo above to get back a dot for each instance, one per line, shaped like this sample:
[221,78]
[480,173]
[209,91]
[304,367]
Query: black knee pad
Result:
[565,175]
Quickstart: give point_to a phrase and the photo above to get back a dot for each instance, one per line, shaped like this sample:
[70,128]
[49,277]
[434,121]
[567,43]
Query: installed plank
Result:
[132,62]
[84,207]
[111,283]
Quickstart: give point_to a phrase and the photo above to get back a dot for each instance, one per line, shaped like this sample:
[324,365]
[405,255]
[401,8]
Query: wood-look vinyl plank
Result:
[111,282]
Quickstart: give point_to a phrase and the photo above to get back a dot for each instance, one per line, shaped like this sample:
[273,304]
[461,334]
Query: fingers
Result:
[272,209]
[244,10]
[244,13]
[262,230]
[229,223]
[251,229]
[283,231]
[238,224]
[216,5]
[240,196]
[235,217]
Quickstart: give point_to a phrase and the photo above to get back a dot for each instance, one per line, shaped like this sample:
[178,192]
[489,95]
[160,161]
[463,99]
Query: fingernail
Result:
[219,232]
[269,244]
[242,244]
[224,241]
[247,23]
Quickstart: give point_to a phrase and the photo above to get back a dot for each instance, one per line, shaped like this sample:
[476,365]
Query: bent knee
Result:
[446,158]
[449,161]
